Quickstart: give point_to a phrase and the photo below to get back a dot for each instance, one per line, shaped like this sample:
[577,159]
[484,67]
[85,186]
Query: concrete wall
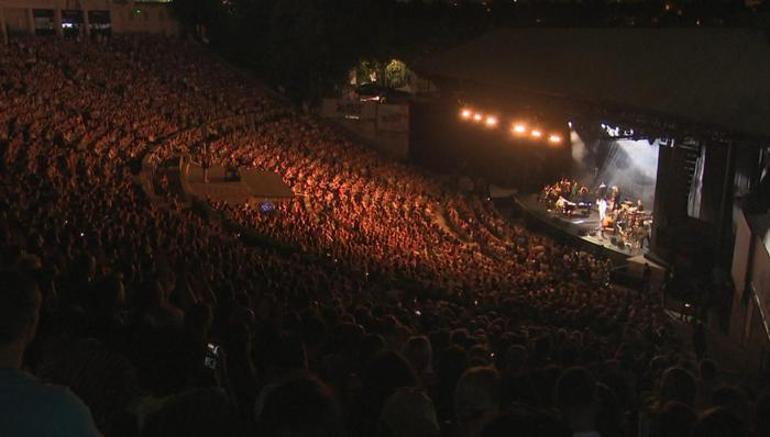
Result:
[383,126]
[16,20]
[16,16]
[750,313]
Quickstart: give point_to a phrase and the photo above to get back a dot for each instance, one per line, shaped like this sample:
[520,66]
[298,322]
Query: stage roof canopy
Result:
[718,77]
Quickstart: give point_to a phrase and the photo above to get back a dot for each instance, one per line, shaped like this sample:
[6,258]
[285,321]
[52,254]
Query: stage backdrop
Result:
[630,165]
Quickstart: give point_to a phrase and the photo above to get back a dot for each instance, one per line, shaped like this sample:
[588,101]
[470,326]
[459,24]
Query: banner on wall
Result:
[384,126]
[348,109]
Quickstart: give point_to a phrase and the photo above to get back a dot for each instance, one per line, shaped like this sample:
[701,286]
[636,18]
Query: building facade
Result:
[85,18]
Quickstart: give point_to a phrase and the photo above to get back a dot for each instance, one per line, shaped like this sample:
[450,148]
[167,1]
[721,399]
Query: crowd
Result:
[381,301]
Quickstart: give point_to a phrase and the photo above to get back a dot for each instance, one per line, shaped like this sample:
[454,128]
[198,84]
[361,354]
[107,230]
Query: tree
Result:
[396,74]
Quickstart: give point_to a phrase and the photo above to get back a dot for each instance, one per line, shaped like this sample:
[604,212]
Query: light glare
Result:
[554,138]
[519,128]
[477,117]
[491,121]
[536,133]
[466,114]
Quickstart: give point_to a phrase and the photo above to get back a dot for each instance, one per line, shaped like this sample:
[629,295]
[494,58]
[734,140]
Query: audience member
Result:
[27,406]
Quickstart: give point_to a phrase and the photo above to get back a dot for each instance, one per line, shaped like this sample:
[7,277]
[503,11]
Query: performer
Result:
[601,192]
[560,204]
[614,197]
[602,205]
[584,196]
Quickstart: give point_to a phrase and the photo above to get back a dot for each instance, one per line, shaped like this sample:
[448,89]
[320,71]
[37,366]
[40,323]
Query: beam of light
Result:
[579,151]
[632,166]
[491,121]
[477,117]
[536,133]
[466,114]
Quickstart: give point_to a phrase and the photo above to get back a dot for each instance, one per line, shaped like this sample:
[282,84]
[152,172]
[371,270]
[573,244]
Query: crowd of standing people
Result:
[381,301]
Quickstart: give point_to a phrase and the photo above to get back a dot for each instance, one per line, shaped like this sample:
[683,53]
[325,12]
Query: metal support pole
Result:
[57,22]
[86,23]
[726,210]
[30,21]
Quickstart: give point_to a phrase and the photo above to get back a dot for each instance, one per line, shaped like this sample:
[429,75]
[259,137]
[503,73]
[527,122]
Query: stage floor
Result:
[586,228]
[254,185]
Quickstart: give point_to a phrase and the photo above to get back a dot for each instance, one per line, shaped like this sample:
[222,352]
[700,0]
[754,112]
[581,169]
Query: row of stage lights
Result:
[518,128]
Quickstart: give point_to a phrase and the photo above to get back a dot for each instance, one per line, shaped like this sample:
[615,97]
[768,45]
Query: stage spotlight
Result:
[466,114]
[554,139]
[536,133]
[519,128]
[491,121]
[477,117]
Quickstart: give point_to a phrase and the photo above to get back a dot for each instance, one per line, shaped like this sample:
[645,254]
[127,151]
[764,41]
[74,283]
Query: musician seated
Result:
[565,206]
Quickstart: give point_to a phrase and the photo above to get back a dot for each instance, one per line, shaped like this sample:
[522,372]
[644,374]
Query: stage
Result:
[251,186]
[584,229]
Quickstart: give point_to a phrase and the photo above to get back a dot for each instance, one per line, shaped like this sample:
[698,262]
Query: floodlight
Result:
[519,128]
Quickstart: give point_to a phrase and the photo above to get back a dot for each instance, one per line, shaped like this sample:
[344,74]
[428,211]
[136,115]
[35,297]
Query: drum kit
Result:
[631,222]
